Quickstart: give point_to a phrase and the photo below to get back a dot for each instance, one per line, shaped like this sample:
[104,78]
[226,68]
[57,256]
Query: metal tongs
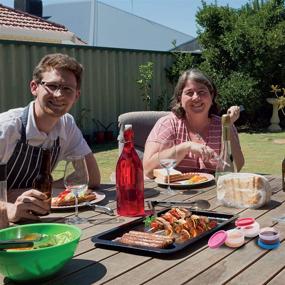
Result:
[27,240]
[200,204]
[105,209]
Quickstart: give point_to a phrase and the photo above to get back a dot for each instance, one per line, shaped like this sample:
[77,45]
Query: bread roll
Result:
[243,190]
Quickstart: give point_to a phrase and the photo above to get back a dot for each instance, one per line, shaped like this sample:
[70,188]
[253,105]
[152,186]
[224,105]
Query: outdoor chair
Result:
[142,122]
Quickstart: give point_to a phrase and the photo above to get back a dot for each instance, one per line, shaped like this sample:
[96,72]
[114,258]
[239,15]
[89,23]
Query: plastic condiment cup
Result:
[235,238]
[268,246]
[249,226]
[269,235]
[217,239]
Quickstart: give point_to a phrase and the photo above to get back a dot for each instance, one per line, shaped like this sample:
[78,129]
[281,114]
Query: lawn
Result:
[262,152]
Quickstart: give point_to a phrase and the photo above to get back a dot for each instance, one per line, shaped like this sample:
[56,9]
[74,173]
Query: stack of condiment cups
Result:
[269,238]
[249,226]
[235,238]
[246,227]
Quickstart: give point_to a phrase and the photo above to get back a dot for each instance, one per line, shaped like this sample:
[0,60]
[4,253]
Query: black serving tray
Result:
[106,239]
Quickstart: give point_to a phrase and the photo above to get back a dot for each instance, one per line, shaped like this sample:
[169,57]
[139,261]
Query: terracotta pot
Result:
[108,136]
[100,137]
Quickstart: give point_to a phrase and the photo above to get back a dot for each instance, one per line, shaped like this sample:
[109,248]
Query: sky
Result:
[175,14]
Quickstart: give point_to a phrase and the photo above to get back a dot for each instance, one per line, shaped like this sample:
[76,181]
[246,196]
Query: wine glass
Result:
[76,180]
[167,159]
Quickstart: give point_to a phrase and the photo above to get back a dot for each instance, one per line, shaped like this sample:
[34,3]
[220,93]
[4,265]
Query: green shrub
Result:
[239,89]
[144,83]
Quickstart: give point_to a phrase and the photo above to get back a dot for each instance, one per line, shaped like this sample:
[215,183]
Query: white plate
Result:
[99,197]
[186,183]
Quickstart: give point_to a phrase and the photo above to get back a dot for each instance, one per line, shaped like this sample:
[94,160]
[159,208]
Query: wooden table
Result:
[195,265]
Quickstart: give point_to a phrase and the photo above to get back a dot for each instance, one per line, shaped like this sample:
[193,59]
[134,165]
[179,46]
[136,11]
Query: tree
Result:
[244,51]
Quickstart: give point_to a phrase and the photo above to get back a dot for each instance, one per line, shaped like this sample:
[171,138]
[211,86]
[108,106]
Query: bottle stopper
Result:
[128,126]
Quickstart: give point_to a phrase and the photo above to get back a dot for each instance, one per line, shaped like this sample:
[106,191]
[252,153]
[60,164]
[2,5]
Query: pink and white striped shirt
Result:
[171,127]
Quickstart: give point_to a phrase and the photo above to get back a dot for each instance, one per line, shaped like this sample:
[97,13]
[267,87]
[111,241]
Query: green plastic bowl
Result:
[25,265]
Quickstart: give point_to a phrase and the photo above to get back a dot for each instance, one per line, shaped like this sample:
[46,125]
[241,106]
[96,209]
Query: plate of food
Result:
[171,230]
[179,179]
[66,199]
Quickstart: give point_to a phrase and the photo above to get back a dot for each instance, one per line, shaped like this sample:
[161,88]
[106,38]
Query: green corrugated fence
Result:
[109,85]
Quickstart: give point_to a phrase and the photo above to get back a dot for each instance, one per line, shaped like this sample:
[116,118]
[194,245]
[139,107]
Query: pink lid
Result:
[242,222]
[217,239]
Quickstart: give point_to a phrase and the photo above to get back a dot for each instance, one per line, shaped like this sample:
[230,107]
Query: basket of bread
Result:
[243,190]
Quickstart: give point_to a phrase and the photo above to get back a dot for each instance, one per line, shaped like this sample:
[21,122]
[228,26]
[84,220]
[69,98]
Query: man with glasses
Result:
[44,123]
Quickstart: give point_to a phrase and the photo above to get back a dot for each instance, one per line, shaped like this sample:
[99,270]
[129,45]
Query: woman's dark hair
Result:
[197,76]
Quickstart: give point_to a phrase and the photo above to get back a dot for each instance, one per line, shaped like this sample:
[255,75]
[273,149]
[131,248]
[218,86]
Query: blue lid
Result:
[268,246]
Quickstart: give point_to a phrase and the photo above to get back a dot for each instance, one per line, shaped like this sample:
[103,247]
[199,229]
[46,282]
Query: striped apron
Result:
[24,164]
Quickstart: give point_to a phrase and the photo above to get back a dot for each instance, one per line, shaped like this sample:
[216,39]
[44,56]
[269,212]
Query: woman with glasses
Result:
[195,125]
[44,123]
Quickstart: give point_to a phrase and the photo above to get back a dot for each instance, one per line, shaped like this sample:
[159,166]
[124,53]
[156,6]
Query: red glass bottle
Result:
[129,179]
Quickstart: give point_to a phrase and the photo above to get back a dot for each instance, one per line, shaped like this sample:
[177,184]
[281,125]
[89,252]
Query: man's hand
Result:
[28,205]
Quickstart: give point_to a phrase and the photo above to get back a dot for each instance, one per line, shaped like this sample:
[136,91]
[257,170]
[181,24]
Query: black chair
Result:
[142,123]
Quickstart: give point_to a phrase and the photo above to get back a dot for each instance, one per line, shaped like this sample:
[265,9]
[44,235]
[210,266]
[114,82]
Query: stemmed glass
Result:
[167,159]
[76,180]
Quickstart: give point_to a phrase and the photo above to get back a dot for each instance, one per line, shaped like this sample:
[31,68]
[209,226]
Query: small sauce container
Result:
[235,238]
[269,235]
[249,226]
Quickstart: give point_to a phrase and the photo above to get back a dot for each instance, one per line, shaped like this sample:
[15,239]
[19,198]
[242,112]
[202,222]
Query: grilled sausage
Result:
[146,239]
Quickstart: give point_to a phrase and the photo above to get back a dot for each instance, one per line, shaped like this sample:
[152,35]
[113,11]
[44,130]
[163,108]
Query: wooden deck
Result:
[197,264]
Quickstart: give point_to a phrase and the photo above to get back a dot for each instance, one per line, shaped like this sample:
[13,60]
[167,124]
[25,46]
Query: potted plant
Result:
[279,93]
[81,119]
[278,103]
[108,134]
[98,134]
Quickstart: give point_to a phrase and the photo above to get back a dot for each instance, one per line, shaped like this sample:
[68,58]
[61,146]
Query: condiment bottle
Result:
[129,178]
[3,182]
[283,174]
[225,164]
[43,182]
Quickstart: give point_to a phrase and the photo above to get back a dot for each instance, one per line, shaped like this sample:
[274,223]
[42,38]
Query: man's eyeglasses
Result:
[52,87]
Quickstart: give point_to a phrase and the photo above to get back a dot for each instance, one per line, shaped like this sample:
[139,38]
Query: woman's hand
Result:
[234,112]
[201,150]
[28,205]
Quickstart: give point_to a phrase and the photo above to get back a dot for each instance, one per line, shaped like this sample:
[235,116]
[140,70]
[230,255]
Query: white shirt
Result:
[71,139]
